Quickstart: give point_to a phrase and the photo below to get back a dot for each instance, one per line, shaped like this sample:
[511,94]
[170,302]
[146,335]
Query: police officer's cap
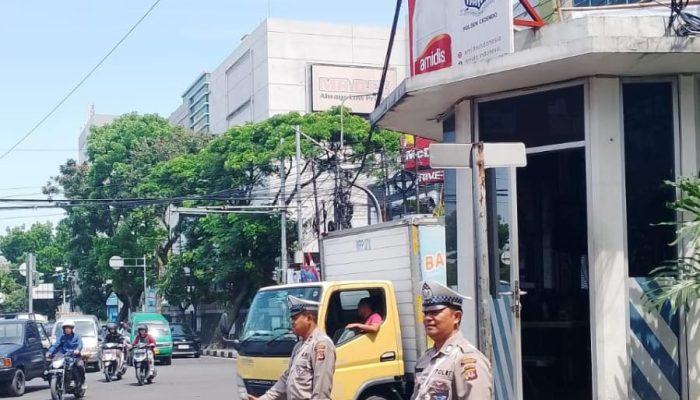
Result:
[437,297]
[298,306]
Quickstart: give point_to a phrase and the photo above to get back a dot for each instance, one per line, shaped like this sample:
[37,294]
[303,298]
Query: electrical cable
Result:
[81,82]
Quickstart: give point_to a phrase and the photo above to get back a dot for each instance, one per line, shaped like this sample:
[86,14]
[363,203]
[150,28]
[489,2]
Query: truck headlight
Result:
[7,363]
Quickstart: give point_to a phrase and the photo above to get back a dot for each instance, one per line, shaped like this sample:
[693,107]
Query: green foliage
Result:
[48,245]
[679,281]
[122,157]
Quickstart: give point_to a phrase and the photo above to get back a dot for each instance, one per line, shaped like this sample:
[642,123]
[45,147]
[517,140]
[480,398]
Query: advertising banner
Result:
[417,150]
[445,33]
[433,263]
[331,84]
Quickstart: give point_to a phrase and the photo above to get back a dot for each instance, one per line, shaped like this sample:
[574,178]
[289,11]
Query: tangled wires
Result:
[683,22]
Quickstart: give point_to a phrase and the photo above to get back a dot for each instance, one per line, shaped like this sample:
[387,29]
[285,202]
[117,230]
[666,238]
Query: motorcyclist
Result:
[71,345]
[144,337]
[113,334]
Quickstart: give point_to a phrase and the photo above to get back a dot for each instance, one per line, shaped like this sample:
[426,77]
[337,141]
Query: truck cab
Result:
[367,365]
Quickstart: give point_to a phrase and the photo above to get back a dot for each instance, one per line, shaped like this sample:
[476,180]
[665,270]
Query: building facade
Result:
[193,113]
[606,101]
[293,66]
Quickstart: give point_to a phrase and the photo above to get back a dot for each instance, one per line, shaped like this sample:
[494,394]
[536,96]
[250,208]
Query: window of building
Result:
[538,119]
[649,162]
[450,200]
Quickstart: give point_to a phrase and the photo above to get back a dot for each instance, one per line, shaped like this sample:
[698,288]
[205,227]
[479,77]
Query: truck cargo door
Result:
[505,291]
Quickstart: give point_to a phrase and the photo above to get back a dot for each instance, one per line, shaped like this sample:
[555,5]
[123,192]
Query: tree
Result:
[678,282]
[122,156]
[48,245]
[237,253]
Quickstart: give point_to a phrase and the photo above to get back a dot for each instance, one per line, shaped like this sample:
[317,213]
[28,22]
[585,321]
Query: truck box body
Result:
[389,251]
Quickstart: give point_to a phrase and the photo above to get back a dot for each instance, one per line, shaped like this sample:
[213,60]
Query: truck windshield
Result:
[268,316]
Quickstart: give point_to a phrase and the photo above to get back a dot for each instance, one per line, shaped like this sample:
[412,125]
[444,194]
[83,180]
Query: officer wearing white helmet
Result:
[453,368]
[71,345]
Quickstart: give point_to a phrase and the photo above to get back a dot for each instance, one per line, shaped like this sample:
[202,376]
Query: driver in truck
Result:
[453,368]
[312,364]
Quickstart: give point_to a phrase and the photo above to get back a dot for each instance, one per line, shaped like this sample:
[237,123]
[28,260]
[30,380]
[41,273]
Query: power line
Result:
[80,83]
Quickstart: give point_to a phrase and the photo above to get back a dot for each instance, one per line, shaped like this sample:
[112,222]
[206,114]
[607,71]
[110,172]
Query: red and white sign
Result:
[428,176]
[446,33]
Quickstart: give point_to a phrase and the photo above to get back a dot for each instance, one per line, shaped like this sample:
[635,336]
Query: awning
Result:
[590,46]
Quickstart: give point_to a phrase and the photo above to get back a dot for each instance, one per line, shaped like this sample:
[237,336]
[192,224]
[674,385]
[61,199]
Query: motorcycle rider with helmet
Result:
[71,345]
[144,337]
[115,337]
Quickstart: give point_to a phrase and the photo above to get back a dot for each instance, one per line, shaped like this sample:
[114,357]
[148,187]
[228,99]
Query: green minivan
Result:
[159,328]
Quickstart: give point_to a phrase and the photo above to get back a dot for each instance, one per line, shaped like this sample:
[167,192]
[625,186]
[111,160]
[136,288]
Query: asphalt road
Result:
[204,378]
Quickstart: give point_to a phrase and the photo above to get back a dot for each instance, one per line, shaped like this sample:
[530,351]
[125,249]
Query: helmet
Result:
[68,324]
[111,326]
[142,328]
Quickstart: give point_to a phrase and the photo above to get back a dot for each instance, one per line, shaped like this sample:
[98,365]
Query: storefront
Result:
[608,109]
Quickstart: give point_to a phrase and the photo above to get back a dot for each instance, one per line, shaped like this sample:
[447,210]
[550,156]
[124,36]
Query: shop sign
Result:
[331,84]
[447,33]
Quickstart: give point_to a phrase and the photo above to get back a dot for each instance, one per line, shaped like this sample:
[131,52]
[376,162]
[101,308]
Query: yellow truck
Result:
[384,262]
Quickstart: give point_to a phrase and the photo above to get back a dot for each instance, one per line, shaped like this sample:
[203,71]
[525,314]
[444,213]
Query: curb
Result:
[220,353]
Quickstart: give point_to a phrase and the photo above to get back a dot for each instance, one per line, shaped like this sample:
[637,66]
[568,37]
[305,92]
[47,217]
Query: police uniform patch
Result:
[468,360]
[439,390]
[470,373]
[320,350]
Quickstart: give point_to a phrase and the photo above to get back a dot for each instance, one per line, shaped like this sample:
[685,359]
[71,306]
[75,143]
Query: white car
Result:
[88,327]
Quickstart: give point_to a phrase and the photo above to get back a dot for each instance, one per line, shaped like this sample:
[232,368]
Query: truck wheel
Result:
[167,361]
[375,397]
[16,387]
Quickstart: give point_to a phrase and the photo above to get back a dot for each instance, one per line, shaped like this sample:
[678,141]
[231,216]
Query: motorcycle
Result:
[113,364]
[63,379]
[142,360]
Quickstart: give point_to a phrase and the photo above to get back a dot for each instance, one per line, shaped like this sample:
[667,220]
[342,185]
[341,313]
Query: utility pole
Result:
[300,222]
[145,286]
[283,220]
[30,281]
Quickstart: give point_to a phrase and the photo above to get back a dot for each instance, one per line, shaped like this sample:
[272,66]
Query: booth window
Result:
[342,310]
[649,162]
[594,3]
[450,200]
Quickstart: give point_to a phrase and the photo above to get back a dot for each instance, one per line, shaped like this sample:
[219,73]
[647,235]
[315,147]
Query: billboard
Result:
[417,150]
[331,84]
[445,33]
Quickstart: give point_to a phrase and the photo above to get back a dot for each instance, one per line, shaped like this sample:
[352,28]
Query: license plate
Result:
[183,346]
[157,351]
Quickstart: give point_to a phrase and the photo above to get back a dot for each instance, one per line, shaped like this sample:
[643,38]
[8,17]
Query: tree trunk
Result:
[230,314]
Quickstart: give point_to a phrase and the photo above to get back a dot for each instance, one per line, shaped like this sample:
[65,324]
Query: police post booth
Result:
[607,105]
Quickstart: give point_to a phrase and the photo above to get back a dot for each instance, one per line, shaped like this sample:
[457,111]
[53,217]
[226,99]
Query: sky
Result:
[47,46]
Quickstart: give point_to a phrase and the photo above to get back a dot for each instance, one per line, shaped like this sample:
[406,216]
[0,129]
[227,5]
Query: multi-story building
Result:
[284,66]
[193,113]
[94,121]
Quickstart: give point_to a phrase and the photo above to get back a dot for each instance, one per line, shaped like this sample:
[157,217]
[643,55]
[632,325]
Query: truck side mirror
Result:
[236,344]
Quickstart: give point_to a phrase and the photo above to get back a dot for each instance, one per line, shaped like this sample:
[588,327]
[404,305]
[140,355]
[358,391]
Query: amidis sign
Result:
[445,33]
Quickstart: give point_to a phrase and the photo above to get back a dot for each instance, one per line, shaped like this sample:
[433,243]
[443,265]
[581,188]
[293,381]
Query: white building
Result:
[607,103]
[94,121]
[284,66]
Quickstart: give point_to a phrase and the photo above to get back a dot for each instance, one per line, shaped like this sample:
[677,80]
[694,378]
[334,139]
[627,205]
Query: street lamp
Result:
[117,263]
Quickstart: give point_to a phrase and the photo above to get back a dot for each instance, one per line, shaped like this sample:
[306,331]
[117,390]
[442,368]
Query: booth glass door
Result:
[502,216]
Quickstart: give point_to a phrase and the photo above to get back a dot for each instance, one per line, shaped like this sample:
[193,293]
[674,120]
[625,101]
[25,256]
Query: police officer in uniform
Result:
[311,367]
[453,369]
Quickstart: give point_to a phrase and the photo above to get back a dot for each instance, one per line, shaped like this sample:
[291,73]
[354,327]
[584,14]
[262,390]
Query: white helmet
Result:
[68,324]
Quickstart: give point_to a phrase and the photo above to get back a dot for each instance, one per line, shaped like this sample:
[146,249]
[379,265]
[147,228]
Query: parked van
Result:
[88,327]
[159,328]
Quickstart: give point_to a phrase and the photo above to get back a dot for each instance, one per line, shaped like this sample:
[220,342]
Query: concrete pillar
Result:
[466,273]
[606,244]
[689,111]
